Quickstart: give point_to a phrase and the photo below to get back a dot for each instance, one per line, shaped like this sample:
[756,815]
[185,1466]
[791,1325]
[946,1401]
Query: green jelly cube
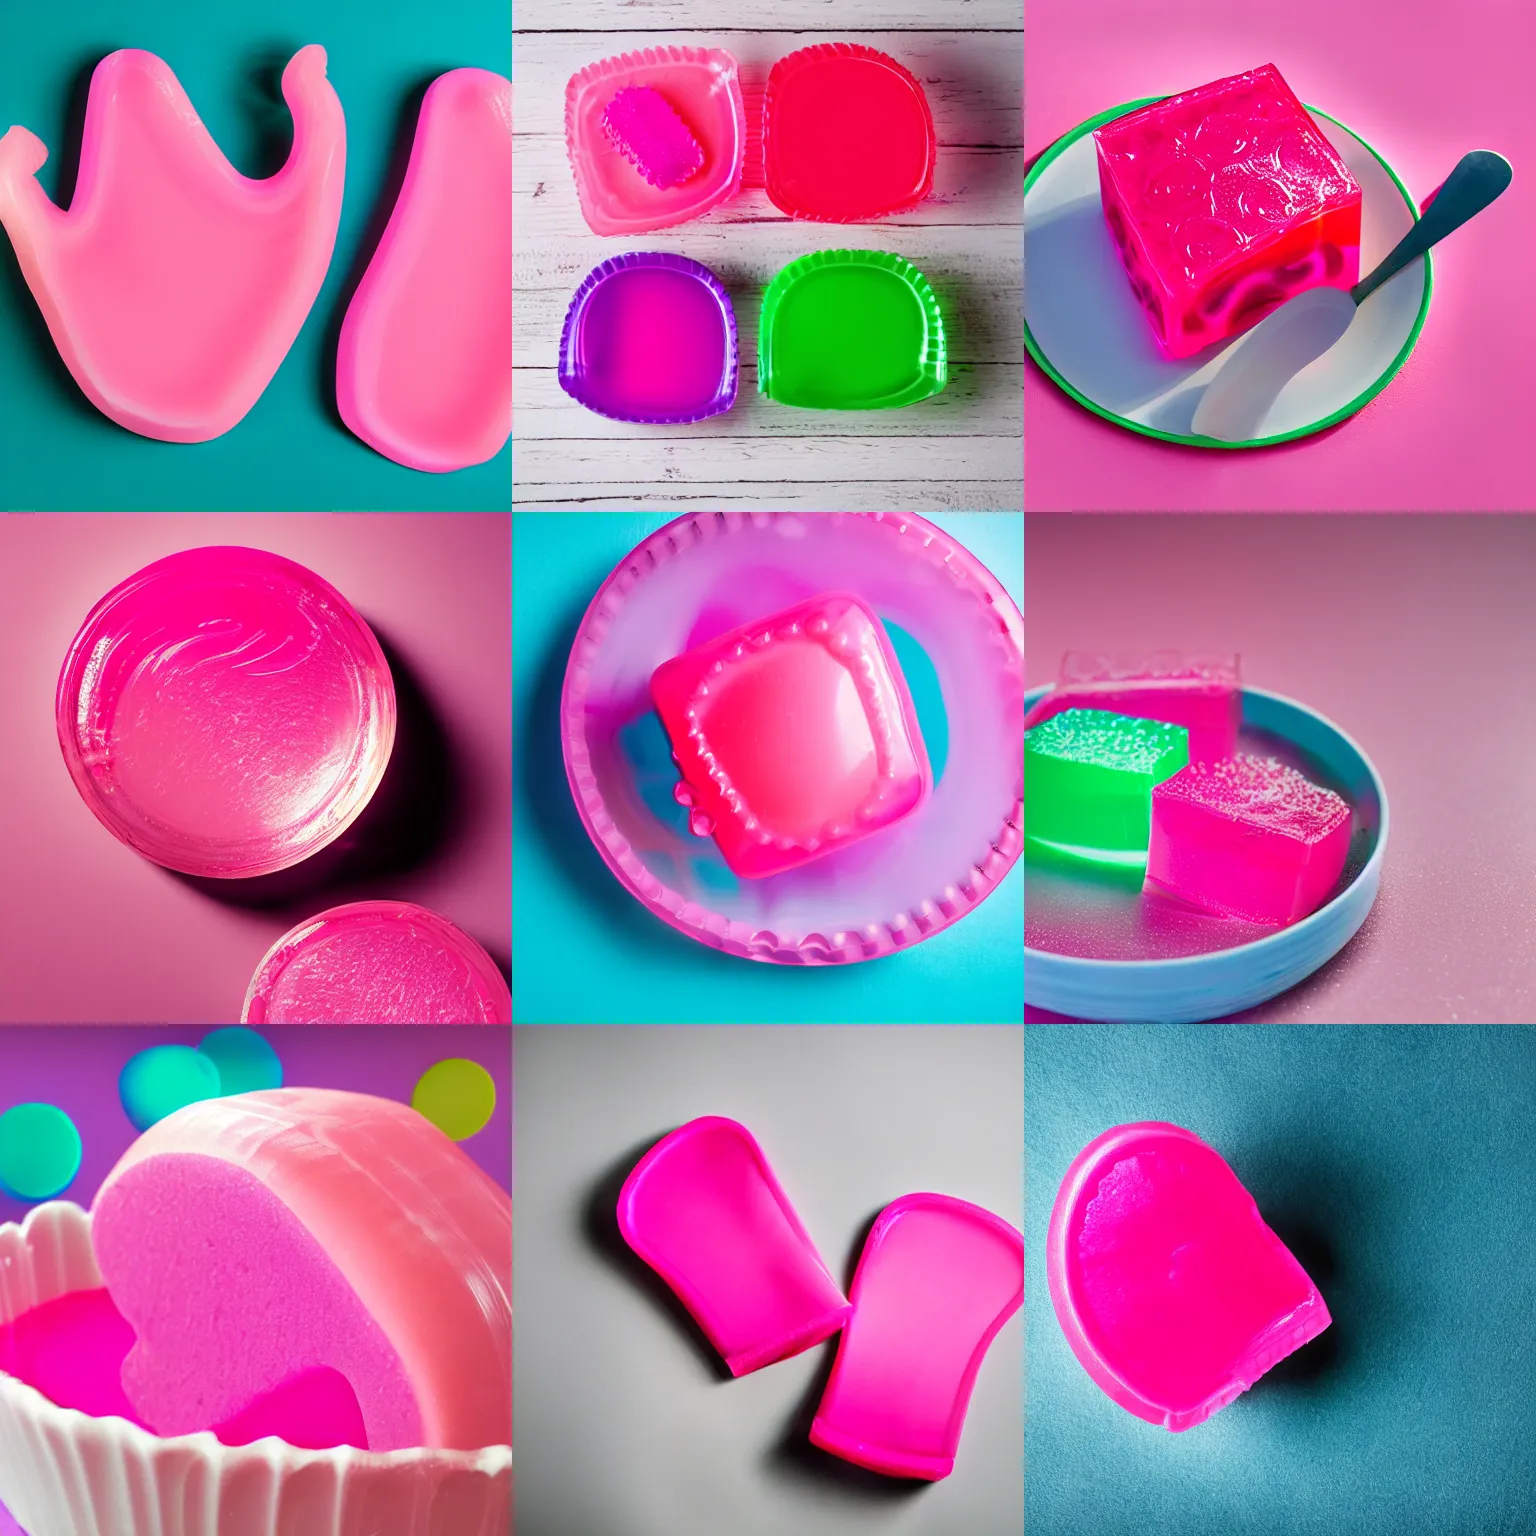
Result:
[1088,777]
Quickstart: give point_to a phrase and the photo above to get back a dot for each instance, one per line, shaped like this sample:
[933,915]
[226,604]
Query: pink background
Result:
[1422,85]
[1415,635]
[90,932]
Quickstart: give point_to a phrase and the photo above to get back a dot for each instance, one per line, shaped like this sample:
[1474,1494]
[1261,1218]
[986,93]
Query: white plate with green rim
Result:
[1084,328]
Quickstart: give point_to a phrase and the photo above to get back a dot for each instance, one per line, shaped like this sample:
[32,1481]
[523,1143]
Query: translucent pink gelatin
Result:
[1248,837]
[1201,693]
[1171,1290]
[643,126]
[1224,202]
[795,735]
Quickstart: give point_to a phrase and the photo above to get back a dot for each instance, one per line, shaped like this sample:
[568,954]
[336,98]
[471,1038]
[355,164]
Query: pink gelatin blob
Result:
[960,641]
[1171,1290]
[702,89]
[377,962]
[795,734]
[225,712]
[650,337]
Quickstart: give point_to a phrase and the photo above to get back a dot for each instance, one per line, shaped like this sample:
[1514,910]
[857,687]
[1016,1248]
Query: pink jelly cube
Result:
[1201,693]
[644,127]
[1247,837]
[795,735]
[1224,202]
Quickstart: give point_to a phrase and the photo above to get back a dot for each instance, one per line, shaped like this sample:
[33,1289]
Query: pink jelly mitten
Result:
[1172,1292]
[705,1211]
[305,1256]
[937,1279]
[1201,693]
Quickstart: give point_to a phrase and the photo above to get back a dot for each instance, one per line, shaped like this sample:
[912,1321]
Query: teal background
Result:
[1399,1165]
[291,452]
[585,951]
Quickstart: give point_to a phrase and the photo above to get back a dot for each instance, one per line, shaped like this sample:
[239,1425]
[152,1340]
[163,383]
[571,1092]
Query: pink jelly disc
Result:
[1201,693]
[645,128]
[1247,837]
[280,1254]
[937,1279]
[225,712]
[795,734]
[424,361]
[1224,202]
[615,172]
[377,962]
[704,1210]
[1172,1292]
[174,286]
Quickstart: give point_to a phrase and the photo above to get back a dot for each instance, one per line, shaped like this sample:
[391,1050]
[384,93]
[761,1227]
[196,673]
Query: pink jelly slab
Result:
[174,286]
[225,712]
[255,1241]
[650,337]
[1201,693]
[847,135]
[702,87]
[1224,202]
[377,962]
[704,1210]
[1172,1292]
[643,127]
[1247,837]
[424,362]
[795,735]
[936,1281]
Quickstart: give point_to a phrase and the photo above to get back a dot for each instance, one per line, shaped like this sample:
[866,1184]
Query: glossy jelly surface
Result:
[650,337]
[847,135]
[642,125]
[704,1209]
[424,362]
[1171,1290]
[795,735]
[1088,778]
[1247,837]
[1201,693]
[701,87]
[937,1279]
[225,712]
[377,962]
[851,330]
[1224,202]
[173,286]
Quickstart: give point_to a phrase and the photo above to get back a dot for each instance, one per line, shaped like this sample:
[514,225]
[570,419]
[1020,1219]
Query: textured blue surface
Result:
[1399,1165]
[585,951]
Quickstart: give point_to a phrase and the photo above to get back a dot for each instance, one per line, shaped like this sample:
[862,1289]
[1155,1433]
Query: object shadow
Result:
[420,810]
[793,1458]
[388,194]
[600,1227]
[264,113]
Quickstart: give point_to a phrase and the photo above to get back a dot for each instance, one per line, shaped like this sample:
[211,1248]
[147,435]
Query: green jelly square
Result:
[850,331]
[1088,778]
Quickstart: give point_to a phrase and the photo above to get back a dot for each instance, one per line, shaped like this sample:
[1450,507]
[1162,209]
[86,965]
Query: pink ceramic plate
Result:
[936,1281]
[377,962]
[960,640]
[225,712]
[705,1211]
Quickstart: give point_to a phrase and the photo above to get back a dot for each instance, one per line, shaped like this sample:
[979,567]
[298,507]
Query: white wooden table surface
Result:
[962,449]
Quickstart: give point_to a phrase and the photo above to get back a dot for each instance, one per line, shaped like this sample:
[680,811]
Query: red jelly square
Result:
[795,735]
[1224,202]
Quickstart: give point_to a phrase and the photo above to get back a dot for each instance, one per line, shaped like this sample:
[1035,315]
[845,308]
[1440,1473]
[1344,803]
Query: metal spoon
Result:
[1247,384]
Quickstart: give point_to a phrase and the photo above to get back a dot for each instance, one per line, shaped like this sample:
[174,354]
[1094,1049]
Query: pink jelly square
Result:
[1201,693]
[795,735]
[1247,837]
[1224,202]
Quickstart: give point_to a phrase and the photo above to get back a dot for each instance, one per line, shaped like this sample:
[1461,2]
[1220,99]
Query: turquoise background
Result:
[1399,1165]
[585,951]
[291,452]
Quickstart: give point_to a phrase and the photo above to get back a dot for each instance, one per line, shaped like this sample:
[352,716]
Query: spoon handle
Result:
[1478,178]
